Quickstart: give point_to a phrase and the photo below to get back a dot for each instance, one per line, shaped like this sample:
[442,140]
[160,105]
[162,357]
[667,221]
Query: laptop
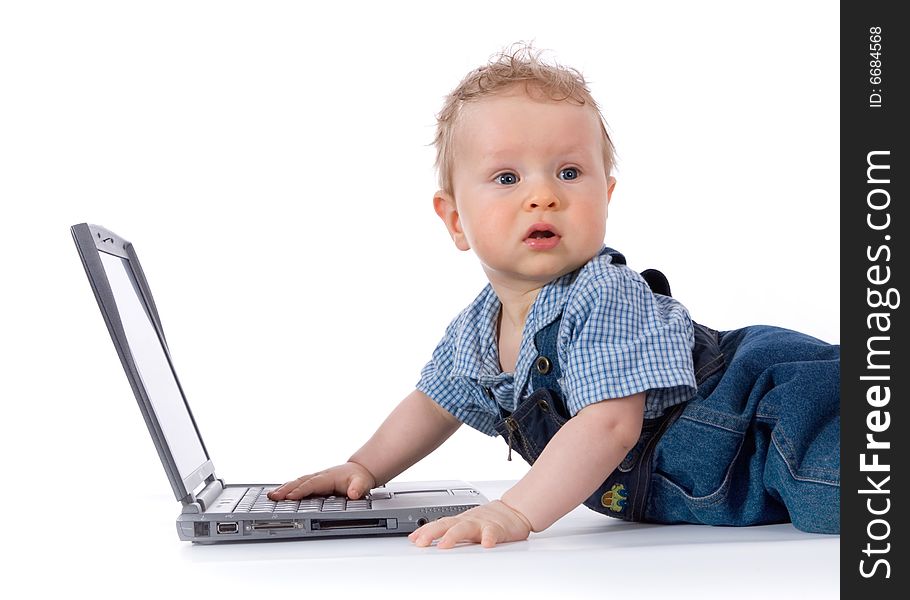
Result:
[212,510]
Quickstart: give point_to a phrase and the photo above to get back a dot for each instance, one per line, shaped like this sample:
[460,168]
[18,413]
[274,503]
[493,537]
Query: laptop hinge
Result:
[205,498]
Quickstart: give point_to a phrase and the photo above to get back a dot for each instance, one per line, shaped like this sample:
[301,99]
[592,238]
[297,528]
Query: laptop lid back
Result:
[129,311]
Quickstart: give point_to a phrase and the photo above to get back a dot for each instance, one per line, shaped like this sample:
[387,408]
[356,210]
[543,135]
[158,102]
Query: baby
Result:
[588,369]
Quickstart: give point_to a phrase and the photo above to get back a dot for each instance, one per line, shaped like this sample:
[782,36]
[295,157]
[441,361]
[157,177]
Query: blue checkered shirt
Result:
[616,338]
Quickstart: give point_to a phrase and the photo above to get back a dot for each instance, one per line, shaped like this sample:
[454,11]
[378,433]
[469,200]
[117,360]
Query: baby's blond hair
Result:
[518,64]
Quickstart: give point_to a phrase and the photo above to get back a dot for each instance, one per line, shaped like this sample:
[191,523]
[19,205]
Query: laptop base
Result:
[397,509]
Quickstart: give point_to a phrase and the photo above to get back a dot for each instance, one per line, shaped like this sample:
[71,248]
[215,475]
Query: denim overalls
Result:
[758,443]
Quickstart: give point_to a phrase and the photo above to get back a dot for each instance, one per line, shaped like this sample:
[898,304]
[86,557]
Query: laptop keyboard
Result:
[256,500]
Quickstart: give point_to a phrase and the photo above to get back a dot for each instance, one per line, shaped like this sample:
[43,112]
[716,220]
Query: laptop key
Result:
[310,505]
[358,505]
[333,504]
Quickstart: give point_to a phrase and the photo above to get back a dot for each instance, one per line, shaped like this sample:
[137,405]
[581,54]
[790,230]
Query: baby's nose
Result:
[542,200]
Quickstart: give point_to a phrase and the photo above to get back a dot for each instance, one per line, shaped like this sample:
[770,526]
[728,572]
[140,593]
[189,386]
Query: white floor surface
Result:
[584,555]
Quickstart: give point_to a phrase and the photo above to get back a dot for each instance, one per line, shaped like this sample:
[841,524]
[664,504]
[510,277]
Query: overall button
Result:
[543,404]
[630,460]
[543,365]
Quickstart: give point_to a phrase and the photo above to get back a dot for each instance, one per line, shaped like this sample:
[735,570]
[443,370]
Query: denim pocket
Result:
[698,458]
[819,462]
[803,412]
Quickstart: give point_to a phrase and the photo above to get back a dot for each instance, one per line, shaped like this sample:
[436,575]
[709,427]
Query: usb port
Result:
[227,528]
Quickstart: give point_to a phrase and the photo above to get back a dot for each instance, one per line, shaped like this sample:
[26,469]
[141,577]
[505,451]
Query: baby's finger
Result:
[280,492]
[358,487]
[490,535]
[425,535]
[319,484]
[463,531]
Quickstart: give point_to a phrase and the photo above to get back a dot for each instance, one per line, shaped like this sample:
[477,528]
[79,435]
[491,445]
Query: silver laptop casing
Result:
[397,508]
[208,503]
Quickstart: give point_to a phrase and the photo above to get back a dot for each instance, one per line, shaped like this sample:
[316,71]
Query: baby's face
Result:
[530,187]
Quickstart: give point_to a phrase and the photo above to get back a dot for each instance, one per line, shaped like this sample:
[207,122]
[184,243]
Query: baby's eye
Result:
[568,174]
[507,178]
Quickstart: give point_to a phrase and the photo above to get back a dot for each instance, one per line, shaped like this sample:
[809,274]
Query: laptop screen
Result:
[154,367]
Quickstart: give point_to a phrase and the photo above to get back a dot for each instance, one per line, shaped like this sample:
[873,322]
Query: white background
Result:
[271,162]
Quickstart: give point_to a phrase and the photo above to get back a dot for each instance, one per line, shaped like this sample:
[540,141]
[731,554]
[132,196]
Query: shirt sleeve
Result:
[458,395]
[621,339]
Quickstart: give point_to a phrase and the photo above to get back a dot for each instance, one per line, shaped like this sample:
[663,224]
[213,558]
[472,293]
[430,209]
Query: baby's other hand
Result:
[488,525]
[350,479]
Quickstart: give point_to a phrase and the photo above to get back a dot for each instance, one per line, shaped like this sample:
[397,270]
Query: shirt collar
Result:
[475,353]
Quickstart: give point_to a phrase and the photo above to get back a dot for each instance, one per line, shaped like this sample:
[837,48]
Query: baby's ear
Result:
[445,207]
[611,183]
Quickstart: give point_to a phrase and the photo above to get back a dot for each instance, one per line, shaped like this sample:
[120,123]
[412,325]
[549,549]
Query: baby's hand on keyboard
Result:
[487,524]
[350,479]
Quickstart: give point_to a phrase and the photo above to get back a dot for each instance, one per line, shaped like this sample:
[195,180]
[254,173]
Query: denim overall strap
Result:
[536,420]
[543,412]
[616,256]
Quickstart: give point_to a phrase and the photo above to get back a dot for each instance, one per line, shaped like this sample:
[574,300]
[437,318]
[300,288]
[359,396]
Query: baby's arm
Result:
[415,428]
[574,463]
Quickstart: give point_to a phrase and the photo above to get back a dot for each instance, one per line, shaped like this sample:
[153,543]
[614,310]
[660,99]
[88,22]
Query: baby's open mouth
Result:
[542,236]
